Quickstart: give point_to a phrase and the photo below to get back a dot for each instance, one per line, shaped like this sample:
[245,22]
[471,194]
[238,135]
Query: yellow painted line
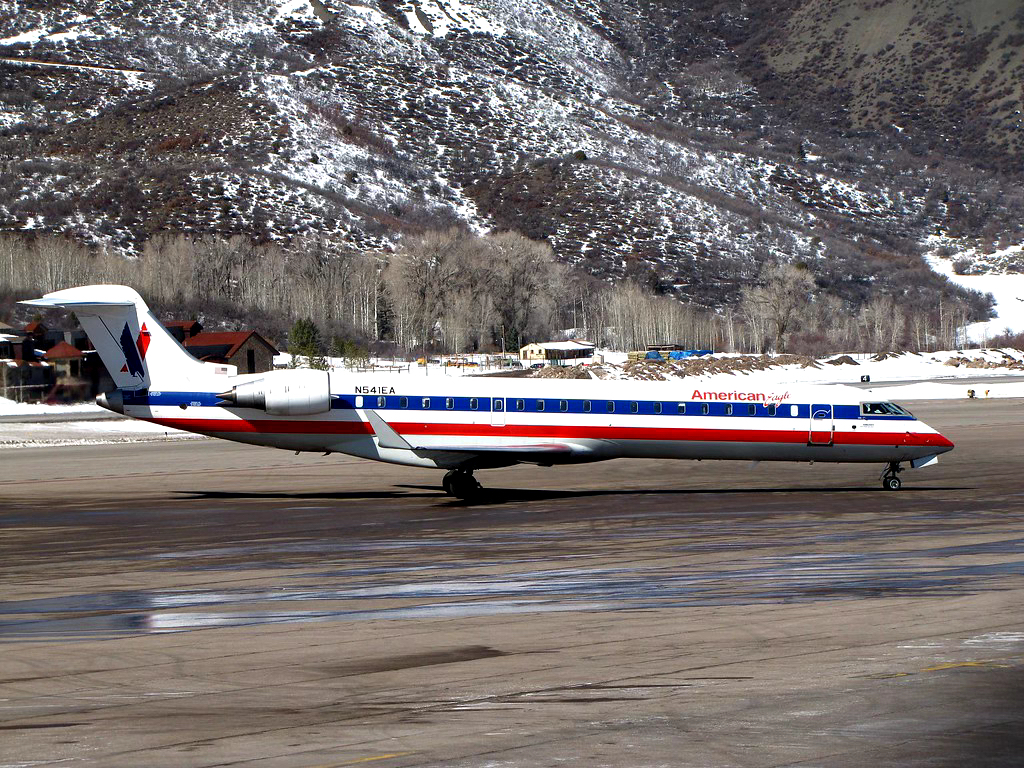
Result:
[956,664]
[885,675]
[359,760]
[1011,663]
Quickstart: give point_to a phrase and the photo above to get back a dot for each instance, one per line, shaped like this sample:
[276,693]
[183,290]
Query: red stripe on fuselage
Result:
[551,431]
[269,426]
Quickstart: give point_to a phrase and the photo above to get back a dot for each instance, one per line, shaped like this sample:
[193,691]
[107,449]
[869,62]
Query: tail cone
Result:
[112,401]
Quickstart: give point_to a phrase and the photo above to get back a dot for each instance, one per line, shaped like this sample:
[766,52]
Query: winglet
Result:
[386,436]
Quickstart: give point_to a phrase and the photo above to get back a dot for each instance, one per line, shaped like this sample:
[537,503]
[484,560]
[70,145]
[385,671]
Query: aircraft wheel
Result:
[892,483]
[465,486]
[446,483]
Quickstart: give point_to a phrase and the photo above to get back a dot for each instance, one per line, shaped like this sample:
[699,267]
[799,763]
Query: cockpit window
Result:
[883,409]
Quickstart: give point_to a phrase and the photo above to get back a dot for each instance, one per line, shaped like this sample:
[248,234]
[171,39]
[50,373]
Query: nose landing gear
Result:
[461,484]
[890,477]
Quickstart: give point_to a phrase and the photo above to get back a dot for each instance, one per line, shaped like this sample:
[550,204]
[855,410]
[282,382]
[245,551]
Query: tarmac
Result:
[201,603]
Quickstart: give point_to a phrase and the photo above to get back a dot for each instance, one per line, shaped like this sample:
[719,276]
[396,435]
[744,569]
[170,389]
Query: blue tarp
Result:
[677,354]
[682,354]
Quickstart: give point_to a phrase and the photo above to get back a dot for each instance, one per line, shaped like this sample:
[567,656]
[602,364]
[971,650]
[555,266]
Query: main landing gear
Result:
[890,477]
[461,484]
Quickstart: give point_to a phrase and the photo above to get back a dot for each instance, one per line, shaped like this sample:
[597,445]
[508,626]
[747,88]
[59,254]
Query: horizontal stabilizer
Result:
[80,305]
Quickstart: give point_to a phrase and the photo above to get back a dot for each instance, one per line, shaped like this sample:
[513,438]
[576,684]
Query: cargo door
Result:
[822,425]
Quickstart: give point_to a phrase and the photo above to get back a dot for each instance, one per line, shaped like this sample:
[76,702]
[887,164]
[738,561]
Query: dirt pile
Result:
[664,370]
[844,360]
[562,372]
[1008,362]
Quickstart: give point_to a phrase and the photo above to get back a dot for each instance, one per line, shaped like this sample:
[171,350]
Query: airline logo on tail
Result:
[134,351]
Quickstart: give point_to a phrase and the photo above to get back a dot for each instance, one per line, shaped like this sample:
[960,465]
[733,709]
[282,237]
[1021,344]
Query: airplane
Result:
[472,423]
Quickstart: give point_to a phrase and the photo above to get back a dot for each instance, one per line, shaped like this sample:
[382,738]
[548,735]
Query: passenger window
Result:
[403,402]
[473,403]
[682,408]
[657,407]
[498,404]
[728,409]
[751,410]
[771,409]
[563,405]
[794,410]
[705,409]
[611,406]
[359,401]
[586,406]
[449,403]
[426,403]
[381,402]
[540,405]
[634,407]
[520,405]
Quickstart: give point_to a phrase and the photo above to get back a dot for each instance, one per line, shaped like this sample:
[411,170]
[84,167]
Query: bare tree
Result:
[774,305]
[526,281]
[421,279]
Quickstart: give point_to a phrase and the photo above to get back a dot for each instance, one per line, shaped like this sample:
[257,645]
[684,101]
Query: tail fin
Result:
[136,349]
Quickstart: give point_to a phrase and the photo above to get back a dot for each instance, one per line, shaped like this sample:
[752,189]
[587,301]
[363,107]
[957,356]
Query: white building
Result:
[557,352]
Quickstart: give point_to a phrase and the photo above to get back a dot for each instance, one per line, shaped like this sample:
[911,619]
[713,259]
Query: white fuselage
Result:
[478,422]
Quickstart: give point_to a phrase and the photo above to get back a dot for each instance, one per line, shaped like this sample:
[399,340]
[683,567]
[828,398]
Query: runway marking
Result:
[957,664]
[1005,663]
[359,760]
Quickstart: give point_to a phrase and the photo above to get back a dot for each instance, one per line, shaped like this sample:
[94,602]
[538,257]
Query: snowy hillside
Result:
[628,135]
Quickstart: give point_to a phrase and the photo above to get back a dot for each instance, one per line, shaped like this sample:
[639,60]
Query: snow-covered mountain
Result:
[637,137]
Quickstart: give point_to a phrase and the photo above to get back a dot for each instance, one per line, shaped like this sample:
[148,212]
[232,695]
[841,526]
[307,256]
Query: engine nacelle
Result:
[297,392]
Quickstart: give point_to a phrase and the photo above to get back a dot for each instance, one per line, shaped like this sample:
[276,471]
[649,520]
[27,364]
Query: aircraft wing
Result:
[563,448]
[388,438]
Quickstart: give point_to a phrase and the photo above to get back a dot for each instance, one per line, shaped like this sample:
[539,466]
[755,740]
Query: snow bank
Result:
[12,408]
[928,375]
[933,391]
[1006,289]
[72,433]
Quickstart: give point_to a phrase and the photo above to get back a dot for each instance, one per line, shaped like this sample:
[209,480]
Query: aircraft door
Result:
[497,412]
[823,425]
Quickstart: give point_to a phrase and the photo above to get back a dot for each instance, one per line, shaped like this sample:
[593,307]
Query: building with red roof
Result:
[247,350]
[183,329]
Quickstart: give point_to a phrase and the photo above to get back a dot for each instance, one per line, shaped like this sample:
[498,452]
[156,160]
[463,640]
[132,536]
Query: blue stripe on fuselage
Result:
[551,405]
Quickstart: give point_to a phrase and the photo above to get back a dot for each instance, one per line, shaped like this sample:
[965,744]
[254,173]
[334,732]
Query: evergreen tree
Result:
[305,345]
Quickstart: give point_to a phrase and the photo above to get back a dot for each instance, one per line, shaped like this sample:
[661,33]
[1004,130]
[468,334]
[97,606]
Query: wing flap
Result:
[528,448]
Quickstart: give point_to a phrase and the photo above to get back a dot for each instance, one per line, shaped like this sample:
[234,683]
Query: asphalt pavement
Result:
[200,603]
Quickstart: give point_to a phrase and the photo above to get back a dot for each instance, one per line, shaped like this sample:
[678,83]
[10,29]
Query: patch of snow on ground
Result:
[933,391]
[12,408]
[72,433]
[444,16]
[73,34]
[32,36]
[927,375]
[296,9]
[1006,289]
